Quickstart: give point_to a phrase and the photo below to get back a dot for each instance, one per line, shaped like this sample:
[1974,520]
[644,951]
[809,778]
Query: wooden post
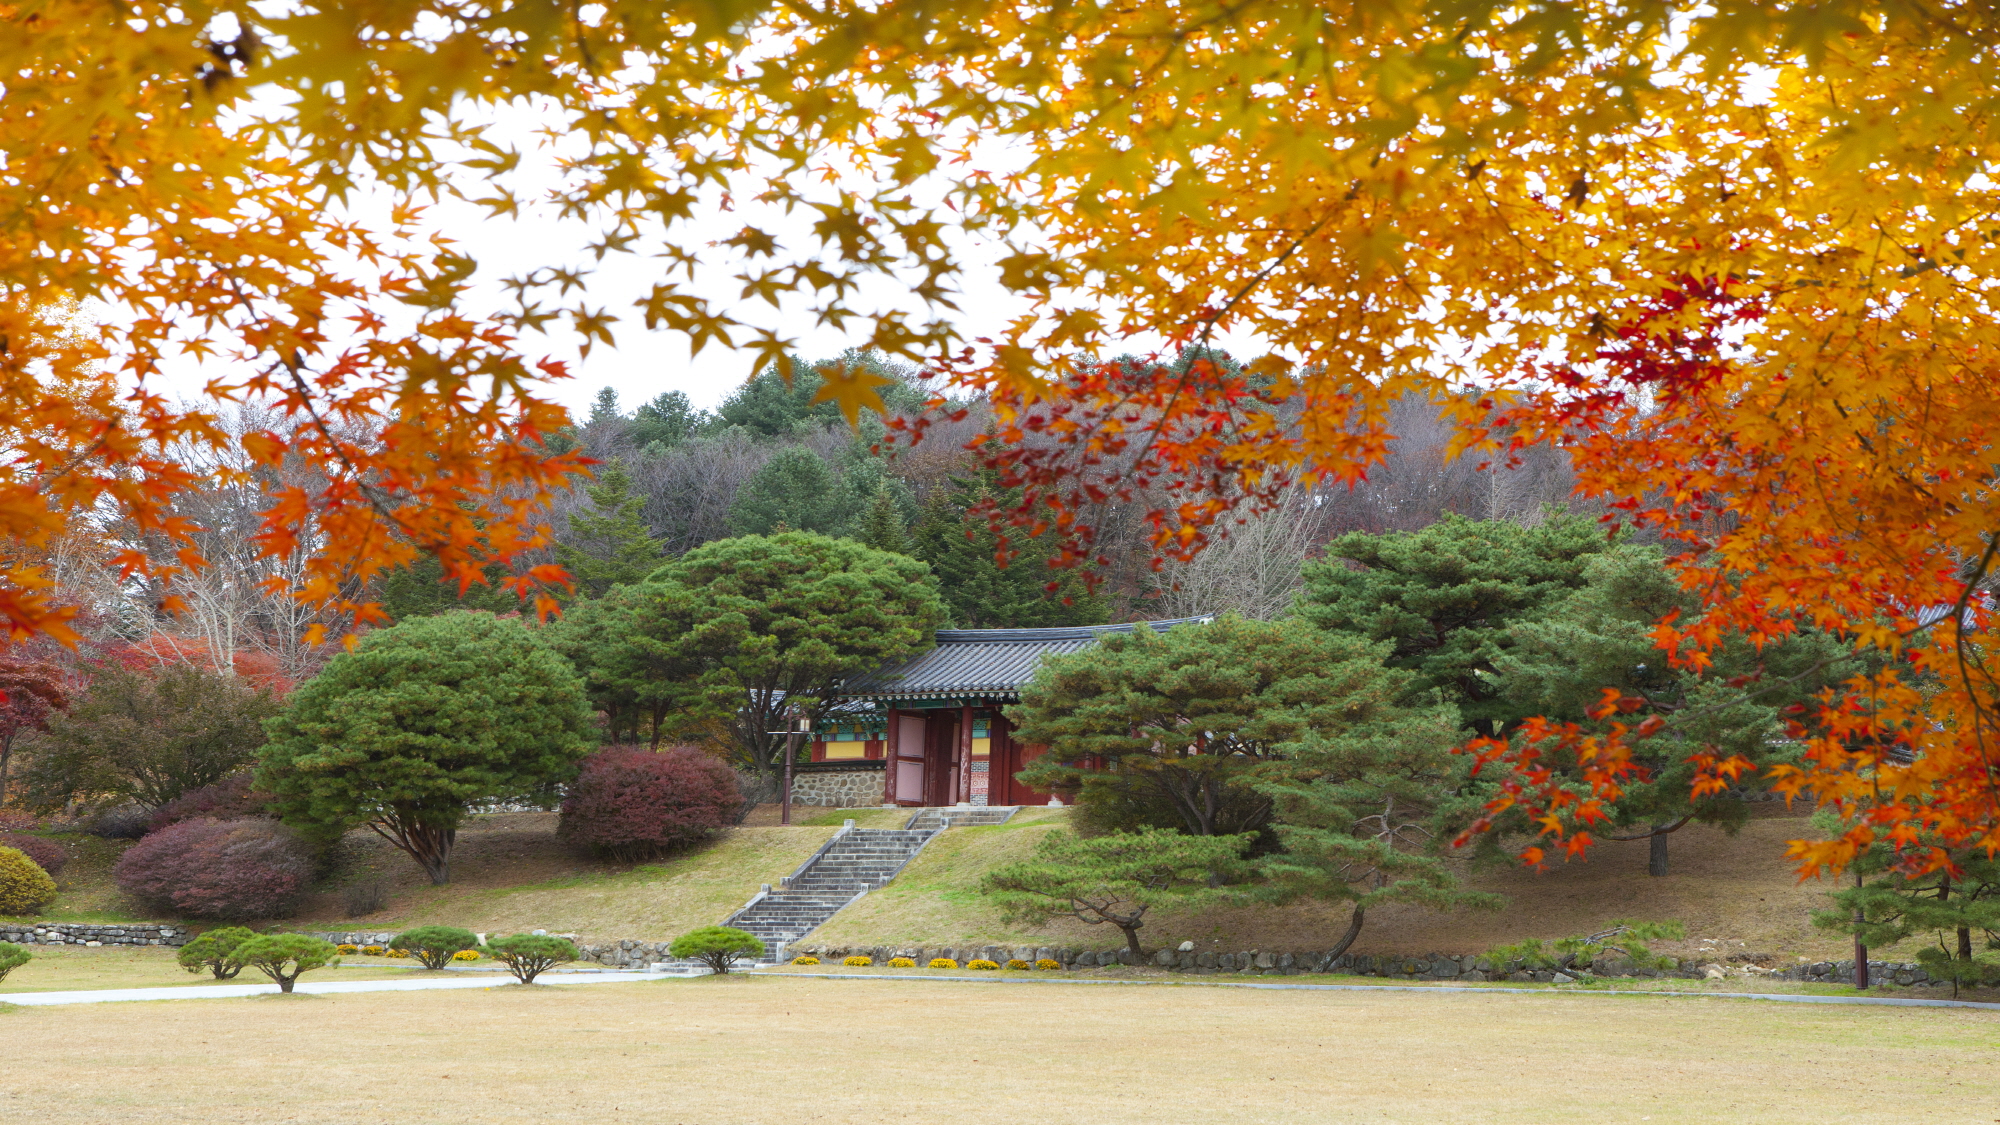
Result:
[965,754]
[892,744]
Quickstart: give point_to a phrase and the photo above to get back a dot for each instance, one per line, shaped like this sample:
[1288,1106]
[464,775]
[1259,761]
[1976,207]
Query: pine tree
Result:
[610,546]
[795,490]
[955,538]
[604,408]
[881,525]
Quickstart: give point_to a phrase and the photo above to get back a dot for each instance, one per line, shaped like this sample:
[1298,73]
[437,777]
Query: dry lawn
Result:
[732,1051]
[1735,894]
[510,875]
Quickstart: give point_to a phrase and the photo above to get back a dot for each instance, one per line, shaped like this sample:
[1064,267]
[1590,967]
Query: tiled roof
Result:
[991,663]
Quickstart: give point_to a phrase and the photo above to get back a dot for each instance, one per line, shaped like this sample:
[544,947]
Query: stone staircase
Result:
[960,816]
[854,862]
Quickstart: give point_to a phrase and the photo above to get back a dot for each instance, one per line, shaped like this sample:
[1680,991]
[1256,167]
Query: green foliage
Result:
[954,536]
[1957,910]
[718,947]
[284,957]
[419,721]
[12,957]
[1113,879]
[1361,812]
[794,491]
[1599,636]
[528,956]
[1446,598]
[769,406]
[420,590]
[434,945]
[621,645]
[24,887]
[147,737]
[668,421]
[609,546]
[214,951]
[1183,721]
[881,526]
[1573,955]
[737,627]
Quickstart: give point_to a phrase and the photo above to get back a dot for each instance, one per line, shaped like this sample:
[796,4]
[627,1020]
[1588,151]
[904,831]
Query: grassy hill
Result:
[1733,894]
[509,874]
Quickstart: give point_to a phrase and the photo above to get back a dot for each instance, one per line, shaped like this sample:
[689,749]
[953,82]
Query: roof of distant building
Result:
[986,663]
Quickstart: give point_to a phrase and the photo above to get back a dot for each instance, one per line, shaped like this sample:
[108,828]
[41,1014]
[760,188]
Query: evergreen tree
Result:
[954,537]
[609,546]
[1558,664]
[1957,908]
[742,627]
[881,526]
[419,590]
[604,409]
[795,490]
[1447,596]
[420,721]
[768,406]
[667,421]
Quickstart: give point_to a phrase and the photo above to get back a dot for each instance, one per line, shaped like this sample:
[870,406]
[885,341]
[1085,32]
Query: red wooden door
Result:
[907,762]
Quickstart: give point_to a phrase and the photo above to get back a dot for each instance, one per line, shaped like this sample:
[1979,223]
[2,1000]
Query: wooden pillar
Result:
[893,741]
[965,754]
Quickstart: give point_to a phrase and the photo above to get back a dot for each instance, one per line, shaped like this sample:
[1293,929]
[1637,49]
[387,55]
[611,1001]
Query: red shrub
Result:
[47,854]
[632,803]
[229,869]
[228,799]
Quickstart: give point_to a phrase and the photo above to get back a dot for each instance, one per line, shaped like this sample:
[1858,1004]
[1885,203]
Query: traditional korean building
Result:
[933,725]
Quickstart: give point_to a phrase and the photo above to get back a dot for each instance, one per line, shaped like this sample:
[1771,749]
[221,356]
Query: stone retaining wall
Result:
[82,933]
[616,954]
[1430,966]
[840,785]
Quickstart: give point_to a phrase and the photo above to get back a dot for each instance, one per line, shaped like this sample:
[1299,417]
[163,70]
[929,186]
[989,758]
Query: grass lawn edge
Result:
[1456,989]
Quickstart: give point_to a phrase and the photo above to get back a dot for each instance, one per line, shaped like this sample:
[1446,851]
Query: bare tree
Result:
[1254,570]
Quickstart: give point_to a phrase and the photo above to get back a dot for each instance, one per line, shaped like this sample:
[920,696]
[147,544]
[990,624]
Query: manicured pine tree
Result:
[1446,598]
[420,721]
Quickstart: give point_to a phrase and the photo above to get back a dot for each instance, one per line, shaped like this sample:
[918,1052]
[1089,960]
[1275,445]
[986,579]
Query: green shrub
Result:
[1626,938]
[718,947]
[435,945]
[213,950]
[24,887]
[12,957]
[282,957]
[528,956]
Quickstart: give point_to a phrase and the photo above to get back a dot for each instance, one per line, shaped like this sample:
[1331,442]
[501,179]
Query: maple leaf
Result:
[853,386]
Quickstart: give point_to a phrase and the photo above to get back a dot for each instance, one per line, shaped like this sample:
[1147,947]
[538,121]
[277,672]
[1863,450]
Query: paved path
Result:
[1455,990]
[226,991]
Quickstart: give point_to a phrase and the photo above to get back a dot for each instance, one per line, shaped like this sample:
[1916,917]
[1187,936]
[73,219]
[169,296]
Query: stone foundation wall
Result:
[616,954]
[1430,966]
[81,933]
[841,785]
